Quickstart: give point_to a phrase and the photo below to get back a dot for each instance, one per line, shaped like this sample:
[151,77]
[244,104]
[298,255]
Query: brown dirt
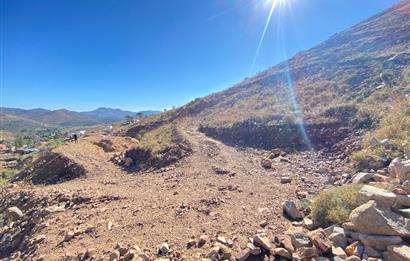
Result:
[173,204]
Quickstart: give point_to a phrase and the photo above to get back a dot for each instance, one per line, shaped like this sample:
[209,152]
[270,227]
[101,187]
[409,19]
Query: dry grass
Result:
[157,140]
[394,126]
[333,206]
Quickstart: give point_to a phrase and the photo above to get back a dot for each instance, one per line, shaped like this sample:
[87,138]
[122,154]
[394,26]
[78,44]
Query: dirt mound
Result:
[106,145]
[52,168]
[145,159]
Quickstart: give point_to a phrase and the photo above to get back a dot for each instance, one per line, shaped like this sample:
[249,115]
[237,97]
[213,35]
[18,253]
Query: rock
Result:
[309,224]
[69,235]
[338,251]
[202,240]
[353,258]
[163,249]
[285,179]
[369,219]
[404,212]
[254,249]
[114,255]
[263,223]
[307,253]
[362,178]
[109,225]
[379,242]
[401,202]
[406,186]
[287,244]
[224,241]
[400,169]
[320,240]
[339,239]
[90,253]
[371,252]
[122,250]
[329,230]
[381,196]
[397,253]
[266,163]
[143,257]
[13,214]
[374,142]
[243,255]
[290,209]
[191,243]
[356,249]
[262,242]
[220,252]
[380,178]
[300,240]
[302,194]
[282,253]
[214,253]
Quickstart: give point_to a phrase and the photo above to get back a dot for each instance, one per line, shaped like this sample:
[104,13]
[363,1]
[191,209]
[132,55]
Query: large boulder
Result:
[362,178]
[379,242]
[382,197]
[371,219]
[400,169]
[397,253]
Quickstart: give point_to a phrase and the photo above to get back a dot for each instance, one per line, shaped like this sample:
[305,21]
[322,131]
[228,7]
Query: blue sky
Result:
[135,55]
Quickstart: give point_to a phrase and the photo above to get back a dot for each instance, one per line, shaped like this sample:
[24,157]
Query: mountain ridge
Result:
[16,119]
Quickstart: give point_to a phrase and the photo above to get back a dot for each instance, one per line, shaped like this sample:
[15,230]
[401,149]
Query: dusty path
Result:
[175,204]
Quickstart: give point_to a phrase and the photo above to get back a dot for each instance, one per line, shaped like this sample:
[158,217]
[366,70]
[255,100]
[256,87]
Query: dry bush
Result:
[333,206]
[395,127]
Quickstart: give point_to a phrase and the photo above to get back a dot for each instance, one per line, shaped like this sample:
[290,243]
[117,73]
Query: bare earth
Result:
[174,204]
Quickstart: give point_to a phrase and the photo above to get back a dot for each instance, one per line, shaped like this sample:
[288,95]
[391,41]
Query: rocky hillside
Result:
[336,82]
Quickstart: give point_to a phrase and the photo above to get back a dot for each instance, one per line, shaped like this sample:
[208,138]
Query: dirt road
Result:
[216,191]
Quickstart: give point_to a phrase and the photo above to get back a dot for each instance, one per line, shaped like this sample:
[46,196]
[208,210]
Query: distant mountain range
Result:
[13,119]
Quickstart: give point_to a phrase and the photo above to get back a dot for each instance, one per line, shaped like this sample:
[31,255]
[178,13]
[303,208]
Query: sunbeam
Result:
[274,4]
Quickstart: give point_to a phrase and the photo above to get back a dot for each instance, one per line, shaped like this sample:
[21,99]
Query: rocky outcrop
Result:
[371,219]
[400,169]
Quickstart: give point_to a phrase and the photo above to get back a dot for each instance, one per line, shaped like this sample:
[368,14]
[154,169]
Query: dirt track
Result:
[175,204]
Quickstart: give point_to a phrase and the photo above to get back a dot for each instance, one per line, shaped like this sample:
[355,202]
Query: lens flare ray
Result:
[280,36]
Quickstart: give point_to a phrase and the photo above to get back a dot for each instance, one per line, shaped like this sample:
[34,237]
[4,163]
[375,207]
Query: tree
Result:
[387,78]
[140,115]
[129,118]
[18,141]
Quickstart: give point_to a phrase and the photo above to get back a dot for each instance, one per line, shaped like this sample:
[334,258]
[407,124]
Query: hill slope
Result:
[330,83]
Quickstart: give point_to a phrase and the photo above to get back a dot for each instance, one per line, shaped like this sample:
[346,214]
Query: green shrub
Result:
[6,175]
[333,206]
